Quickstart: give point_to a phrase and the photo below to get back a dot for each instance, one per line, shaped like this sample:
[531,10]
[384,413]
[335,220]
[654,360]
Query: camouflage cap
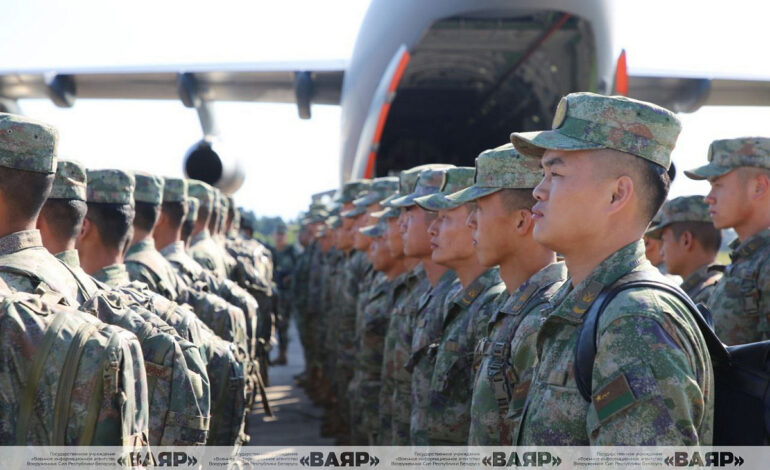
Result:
[320,231]
[69,181]
[500,168]
[354,212]
[728,154]
[407,180]
[334,221]
[456,180]
[192,209]
[149,188]
[351,190]
[174,189]
[110,186]
[681,209]
[27,144]
[375,231]
[428,182]
[202,192]
[587,121]
[379,190]
[387,213]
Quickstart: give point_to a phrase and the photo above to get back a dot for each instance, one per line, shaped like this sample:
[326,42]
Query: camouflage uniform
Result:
[741,314]
[451,384]
[652,381]
[203,248]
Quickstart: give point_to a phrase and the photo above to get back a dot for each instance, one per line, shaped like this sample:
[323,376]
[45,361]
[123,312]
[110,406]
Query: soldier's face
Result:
[672,251]
[568,214]
[652,247]
[360,241]
[416,238]
[728,200]
[381,259]
[345,234]
[451,240]
[393,238]
[491,224]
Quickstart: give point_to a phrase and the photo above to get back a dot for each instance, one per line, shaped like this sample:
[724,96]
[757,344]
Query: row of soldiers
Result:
[448,305]
[133,312]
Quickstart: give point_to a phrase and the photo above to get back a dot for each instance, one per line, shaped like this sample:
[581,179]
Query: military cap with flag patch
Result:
[149,188]
[202,192]
[499,168]
[725,155]
[69,181]
[456,180]
[588,121]
[428,182]
[174,189]
[26,144]
[110,187]
[407,180]
[192,209]
[681,209]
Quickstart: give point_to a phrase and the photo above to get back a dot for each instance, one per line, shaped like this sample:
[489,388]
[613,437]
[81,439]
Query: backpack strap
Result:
[47,283]
[82,283]
[153,265]
[585,348]
[108,386]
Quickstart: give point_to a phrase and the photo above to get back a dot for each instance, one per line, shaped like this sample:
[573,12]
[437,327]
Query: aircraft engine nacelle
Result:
[210,160]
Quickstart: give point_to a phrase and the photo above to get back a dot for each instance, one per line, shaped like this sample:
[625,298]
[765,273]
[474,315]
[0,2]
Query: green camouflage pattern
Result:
[201,191]
[739,302]
[352,190]
[145,264]
[110,186]
[27,145]
[449,395]
[680,209]
[728,154]
[379,189]
[69,182]
[149,188]
[456,180]
[700,284]
[192,209]
[92,392]
[407,180]
[588,121]
[500,168]
[377,230]
[204,250]
[424,325]
[505,355]
[429,181]
[653,382]
[174,189]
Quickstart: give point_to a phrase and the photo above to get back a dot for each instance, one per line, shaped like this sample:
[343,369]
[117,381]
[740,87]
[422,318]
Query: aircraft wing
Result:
[303,83]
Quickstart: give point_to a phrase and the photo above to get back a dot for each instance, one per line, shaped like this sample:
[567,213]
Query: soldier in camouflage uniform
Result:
[652,383]
[423,323]
[739,173]
[203,248]
[446,412]
[689,245]
[505,348]
[286,258]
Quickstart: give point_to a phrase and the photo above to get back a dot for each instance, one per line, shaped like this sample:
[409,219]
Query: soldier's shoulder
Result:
[645,302]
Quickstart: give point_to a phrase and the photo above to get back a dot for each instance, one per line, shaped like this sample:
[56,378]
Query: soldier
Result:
[447,411]
[502,233]
[202,247]
[689,245]
[286,259]
[605,176]
[739,173]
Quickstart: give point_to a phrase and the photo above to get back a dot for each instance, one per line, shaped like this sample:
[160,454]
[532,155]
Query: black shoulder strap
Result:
[585,348]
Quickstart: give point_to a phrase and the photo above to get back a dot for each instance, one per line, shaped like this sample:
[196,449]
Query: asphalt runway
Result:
[296,420]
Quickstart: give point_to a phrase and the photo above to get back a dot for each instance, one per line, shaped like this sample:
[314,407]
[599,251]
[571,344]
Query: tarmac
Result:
[296,421]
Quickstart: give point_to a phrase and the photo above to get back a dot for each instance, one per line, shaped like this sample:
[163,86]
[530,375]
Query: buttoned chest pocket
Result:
[455,372]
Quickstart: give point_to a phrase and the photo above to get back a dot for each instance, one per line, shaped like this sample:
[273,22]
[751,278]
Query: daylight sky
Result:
[287,159]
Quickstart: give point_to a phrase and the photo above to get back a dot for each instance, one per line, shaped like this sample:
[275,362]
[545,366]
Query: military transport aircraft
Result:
[428,81]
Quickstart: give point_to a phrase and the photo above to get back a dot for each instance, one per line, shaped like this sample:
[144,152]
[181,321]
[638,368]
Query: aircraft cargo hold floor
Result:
[296,420]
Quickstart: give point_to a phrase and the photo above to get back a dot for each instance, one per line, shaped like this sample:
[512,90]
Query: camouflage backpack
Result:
[67,378]
[178,385]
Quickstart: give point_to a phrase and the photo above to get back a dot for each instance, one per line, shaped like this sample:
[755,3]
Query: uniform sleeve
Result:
[646,387]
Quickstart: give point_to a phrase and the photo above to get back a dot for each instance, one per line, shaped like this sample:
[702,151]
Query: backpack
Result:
[67,378]
[177,384]
[741,372]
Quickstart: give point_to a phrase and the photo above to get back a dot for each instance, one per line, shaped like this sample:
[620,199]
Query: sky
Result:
[286,158]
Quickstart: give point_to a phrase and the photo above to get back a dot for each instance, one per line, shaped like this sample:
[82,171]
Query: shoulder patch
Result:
[612,398]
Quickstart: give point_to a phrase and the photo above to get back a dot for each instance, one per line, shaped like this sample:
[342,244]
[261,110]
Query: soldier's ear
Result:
[85,230]
[687,240]
[621,191]
[523,221]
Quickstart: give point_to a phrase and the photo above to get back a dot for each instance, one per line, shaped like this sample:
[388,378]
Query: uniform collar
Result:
[70,258]
[573,303]
[700,275]
[202,235]
[18,241]
[173,248]
[464,297]
[555,272]
[148,244]
[113,275]
[752,244]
